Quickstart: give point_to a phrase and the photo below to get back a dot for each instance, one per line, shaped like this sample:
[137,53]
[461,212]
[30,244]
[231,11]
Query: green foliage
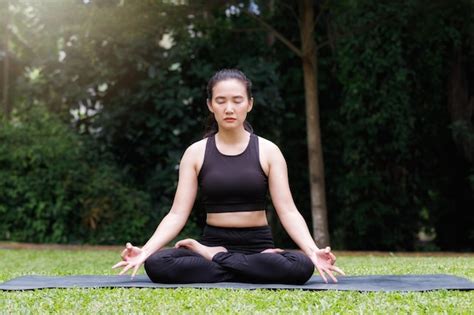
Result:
[377,129]
[393,157]
[55,188]
[388,121]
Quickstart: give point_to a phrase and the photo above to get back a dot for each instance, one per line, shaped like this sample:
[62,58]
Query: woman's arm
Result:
[282,199]
[175,220]
[183,202]
[290,217]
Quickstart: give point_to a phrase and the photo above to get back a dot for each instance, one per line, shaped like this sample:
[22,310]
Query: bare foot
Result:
[207,251]
[273,250]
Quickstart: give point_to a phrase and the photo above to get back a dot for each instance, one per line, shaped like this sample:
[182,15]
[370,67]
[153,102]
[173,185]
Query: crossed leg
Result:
[194,262]
[180,265]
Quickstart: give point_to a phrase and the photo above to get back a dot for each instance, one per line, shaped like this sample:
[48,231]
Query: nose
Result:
[229,109]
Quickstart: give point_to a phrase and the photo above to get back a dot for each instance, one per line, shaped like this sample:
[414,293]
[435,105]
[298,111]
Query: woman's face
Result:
[230,103]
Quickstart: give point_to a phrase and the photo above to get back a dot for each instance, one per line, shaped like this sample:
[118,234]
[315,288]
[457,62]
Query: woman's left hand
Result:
[324,261]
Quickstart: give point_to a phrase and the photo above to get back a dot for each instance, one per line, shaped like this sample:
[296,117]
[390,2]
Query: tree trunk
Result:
[315,153]
[6,65]
[461,103]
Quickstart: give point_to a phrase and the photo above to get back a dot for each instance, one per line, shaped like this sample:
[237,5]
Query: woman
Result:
[233,168]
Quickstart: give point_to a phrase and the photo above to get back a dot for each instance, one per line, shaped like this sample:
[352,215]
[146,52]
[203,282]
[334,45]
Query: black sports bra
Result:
[232,183]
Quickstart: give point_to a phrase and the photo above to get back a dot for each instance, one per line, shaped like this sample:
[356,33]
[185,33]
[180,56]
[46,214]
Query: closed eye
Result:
[220,100]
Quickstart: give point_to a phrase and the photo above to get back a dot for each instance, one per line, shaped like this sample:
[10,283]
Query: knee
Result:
[157,266]
[307,267]
[302,267]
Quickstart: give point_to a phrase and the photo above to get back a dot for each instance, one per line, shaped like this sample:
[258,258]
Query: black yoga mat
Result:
[355,283]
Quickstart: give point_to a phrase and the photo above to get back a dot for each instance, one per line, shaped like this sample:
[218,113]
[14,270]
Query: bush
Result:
[54,188]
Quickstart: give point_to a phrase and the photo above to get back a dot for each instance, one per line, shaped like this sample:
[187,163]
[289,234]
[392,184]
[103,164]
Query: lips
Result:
[230,119]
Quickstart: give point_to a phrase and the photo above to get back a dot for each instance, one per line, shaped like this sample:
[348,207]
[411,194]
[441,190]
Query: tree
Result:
[133,98]
[308,54]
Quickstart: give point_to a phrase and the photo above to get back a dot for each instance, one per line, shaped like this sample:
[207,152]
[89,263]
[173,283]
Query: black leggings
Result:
[243,262]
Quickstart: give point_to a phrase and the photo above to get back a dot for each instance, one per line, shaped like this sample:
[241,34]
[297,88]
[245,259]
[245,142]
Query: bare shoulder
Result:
[270,155]
[196,147]
[194,154]
[268,148]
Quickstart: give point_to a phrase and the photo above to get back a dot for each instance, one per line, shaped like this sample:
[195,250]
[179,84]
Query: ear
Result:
[209,105]
[250,105]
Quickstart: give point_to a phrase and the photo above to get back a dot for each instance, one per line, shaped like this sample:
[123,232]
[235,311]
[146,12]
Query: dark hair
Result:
[222,75]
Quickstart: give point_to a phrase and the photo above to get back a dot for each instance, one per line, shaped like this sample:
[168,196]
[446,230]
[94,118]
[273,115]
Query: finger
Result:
[329,272]
[323,251]
[127,268]
[322,274]
[135,271]
[337,269]
[119,264]
[329,256]
[124,253]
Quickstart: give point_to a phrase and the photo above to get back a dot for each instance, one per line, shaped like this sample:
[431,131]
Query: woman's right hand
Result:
[130,251]
[132,257]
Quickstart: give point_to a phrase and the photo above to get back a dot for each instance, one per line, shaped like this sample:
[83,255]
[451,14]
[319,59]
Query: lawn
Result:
[17,262]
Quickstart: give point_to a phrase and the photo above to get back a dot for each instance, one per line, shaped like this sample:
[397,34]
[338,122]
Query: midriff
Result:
[238,219]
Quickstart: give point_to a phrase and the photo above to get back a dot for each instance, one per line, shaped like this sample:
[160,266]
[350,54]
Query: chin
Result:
[231,126]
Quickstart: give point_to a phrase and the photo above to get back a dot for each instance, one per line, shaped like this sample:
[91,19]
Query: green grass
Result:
[199,301]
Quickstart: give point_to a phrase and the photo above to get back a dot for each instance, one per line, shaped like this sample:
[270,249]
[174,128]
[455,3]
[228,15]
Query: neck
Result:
[233,136]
